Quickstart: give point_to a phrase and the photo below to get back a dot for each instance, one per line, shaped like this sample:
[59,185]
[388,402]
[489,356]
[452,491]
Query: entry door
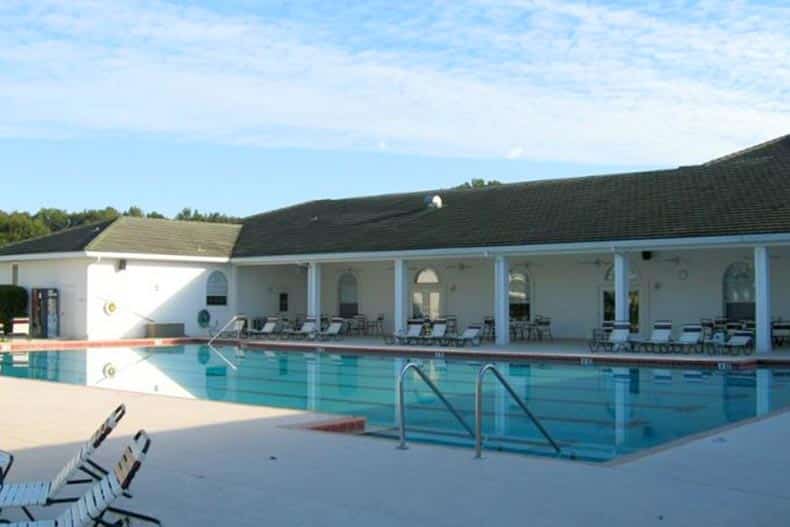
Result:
[607,307]
[426,302]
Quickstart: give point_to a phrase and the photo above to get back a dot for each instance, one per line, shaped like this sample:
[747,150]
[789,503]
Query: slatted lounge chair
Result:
[233,332]
[472,335]
[691,339]
[91,508]
[333,332]
[740,341]
[307,331]
[413,333]
[543,327]
[23,495]
[659,339]
[619,338]
[269,329]
[438,334]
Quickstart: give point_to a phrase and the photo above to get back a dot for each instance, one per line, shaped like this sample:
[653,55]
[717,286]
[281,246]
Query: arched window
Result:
[427,295]
[738,291]
[518,293]
[348,295]
[217,289]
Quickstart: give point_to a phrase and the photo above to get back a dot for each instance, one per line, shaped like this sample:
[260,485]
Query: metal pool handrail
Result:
[402,405]
[479,409]
[221,331]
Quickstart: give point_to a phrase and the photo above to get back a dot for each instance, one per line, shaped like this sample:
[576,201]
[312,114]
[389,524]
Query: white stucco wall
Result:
[151,291]
[259,289]
[66,275]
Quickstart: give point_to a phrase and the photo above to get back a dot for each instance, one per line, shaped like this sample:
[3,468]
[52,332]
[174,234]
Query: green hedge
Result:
[13,303]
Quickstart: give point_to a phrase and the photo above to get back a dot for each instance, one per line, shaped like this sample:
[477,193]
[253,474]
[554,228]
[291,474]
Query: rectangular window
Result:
[283,302]
[217,300]
[14,274]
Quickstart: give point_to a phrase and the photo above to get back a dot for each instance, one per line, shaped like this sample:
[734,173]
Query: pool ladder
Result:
[477,433]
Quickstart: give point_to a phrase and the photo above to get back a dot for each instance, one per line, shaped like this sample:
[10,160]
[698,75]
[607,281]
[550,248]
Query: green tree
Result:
[479,183]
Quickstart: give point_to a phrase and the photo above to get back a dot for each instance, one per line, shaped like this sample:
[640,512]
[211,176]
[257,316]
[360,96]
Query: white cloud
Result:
[562,80]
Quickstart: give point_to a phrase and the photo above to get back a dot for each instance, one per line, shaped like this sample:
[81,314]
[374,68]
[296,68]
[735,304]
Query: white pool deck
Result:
[225,464]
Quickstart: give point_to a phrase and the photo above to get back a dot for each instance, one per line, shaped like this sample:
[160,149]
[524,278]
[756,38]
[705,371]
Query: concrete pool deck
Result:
[226,464]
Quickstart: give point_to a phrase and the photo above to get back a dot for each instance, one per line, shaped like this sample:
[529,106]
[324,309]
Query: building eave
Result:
[707,242]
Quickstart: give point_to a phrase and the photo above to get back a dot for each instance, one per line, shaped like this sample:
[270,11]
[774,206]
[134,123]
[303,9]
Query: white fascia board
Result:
[157,257]
[42,256]
[706,242]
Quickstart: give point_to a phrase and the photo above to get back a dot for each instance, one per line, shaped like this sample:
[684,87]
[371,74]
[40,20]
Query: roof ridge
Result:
[168,220]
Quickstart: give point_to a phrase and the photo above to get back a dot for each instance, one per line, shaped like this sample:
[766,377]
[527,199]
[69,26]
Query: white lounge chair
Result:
[334,331]
[619,338]
[91,508]
[269,329]
[233,332]
[472,335]
[690,339]
[25,494]
[740,341]
[659,339]
[438,333]
[307,331]
[413,333]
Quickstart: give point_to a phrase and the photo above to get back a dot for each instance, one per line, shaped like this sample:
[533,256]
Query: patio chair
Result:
[659,339]
[269,328]
[543,327]
[333,332]
[413,332]
[6,462]
[691,339]
[91,507]
[601,335]
[619,338]
[472,335]
[25,494]
[740,341]
[307,331]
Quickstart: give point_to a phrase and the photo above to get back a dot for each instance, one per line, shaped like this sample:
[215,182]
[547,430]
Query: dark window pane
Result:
[217,300]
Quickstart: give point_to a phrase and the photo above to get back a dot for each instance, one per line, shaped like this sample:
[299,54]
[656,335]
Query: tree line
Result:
[17,226]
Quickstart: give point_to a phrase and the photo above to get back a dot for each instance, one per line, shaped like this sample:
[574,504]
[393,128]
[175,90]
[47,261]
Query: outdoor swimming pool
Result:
[593,412]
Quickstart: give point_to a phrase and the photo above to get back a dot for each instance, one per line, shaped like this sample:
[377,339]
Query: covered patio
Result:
[537,299]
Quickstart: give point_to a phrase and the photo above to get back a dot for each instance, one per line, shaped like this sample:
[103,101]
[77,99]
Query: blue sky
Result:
[242,106]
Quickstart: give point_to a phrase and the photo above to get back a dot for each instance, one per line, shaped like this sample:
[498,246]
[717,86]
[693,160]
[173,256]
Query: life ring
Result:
[204,318]
[109,370]
[110,308]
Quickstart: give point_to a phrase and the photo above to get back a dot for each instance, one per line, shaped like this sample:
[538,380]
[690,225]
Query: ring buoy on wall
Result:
[109,371]
[110,308]
[204,318]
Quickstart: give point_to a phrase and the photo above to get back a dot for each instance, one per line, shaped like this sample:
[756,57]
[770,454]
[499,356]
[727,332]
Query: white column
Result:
[762,293]
[622,284]
[401,294]
[501,299]
[314,291]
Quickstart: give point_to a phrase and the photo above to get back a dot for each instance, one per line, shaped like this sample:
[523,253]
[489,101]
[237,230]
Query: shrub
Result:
[13,303]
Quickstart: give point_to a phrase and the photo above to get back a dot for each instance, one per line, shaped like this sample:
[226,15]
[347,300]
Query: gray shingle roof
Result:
[139,236]
[747,193]
[67,240]
[179,238]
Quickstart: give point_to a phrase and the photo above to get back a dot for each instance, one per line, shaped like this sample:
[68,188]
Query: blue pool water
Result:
[593,412]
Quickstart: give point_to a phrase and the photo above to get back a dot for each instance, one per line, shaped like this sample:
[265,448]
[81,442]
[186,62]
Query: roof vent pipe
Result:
[433,201]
